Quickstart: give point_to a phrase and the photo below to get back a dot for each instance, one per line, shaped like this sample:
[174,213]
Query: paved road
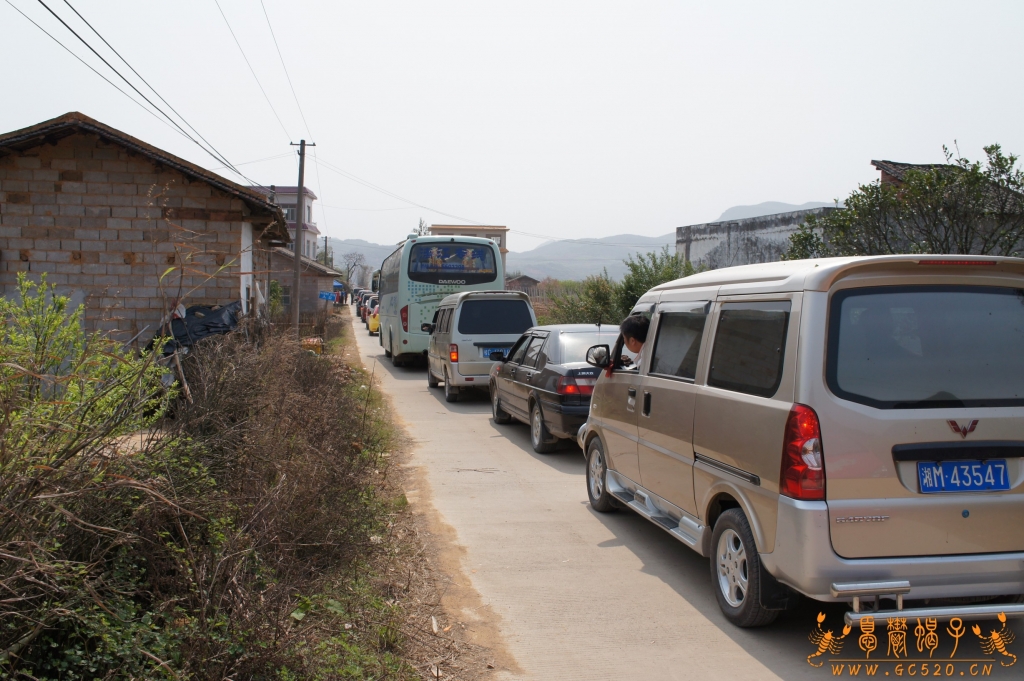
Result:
[579,594]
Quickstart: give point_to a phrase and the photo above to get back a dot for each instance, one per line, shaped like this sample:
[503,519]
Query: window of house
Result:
[749,348]
[678,343]
[309,214]
[289,214]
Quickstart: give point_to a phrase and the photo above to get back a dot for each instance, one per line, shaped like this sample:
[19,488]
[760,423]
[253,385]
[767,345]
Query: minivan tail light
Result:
[405,318]
[453,352]
[803,465]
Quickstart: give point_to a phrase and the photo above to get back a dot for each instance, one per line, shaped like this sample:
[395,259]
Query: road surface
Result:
[575,594]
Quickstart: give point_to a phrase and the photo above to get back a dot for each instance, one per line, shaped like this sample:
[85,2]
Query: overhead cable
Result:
[251,69]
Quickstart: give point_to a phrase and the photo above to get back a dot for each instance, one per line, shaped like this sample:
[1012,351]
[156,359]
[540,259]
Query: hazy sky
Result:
[558,119]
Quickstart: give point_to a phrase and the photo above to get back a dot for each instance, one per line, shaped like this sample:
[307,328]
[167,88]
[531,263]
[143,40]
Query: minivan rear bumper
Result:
[803,559]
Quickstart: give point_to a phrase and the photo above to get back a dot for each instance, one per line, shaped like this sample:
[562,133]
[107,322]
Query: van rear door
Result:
[923,421]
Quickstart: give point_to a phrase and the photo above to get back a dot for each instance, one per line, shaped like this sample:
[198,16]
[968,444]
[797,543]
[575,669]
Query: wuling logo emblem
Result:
[963,430]
[939,649]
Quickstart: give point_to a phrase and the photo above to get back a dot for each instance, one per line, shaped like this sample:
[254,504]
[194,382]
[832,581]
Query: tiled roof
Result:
[53,130]
[282,189]
[309,263]
[899,170]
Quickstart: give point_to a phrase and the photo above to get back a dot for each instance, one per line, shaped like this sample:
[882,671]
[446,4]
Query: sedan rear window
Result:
[576,343]
[496,316]
[921,347]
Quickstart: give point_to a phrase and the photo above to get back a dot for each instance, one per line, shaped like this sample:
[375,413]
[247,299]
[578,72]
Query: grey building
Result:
[741,242]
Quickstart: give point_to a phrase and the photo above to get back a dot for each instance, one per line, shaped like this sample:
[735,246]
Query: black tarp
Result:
[201,321]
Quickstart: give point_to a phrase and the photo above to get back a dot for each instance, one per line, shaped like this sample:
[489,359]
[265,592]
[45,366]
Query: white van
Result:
[469,332]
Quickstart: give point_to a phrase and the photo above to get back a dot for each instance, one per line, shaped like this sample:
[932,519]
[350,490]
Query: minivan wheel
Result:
[541,439]
[497,413]
[601,499]
[451,393]
[432,381]
[736,571]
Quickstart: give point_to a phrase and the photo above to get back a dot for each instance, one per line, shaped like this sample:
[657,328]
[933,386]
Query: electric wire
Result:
[283,66]
[251,69]
[215,154]
[224,160]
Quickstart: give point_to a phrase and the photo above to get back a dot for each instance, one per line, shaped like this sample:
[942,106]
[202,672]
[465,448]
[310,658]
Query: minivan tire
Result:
[736,571]
[540,438]
[497,413]
[451,393]
[432,381]
[601,499]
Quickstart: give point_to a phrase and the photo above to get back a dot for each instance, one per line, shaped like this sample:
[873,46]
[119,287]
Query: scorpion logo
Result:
[997,641]
[826,641]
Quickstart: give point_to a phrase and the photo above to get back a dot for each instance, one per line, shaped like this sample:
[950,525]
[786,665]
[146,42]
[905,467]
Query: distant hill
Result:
[768,208]
[578,258]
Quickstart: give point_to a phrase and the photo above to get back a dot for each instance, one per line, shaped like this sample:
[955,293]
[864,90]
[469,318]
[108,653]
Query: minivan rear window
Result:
[927,347]
[495,316]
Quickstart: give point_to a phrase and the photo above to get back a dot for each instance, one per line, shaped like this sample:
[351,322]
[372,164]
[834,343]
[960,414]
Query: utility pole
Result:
[300,216]
[325,251]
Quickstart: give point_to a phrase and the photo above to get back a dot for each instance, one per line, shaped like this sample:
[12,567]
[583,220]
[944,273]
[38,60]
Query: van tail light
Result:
[569,385]
[803,466]
[453,352]
[405,318]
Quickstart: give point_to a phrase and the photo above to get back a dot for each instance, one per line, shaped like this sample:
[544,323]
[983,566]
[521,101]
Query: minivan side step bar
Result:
[875,590]
[659,511]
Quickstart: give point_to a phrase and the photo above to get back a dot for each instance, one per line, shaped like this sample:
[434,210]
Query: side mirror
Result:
[599,356]
[498,356]
[427,328]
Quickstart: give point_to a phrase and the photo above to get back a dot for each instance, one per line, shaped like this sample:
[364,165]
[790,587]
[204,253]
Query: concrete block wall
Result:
[106,225]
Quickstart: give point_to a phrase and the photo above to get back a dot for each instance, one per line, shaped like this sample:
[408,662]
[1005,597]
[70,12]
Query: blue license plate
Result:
[963,476]
[487,351]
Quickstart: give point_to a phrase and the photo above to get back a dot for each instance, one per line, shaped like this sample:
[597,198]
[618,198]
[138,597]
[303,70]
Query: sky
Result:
[557,119]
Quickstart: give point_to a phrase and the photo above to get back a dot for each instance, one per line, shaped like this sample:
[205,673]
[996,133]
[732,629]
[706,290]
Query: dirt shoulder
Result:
[450,633]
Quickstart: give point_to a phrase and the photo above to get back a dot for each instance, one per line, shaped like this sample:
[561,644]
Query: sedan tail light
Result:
[570,385]
[803,465]
[405,318]
[453,352]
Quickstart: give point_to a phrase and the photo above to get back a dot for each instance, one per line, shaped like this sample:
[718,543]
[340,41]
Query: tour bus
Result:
[418,275]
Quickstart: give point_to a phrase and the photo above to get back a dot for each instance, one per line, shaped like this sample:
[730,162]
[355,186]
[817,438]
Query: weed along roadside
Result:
[251,531]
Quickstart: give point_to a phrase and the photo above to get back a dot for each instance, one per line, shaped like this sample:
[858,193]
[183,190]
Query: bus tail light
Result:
[405,318]
[803,465]
[453,352]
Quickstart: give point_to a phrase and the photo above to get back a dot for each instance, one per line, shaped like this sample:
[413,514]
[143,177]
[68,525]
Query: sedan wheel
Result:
[540,438]
[497,413]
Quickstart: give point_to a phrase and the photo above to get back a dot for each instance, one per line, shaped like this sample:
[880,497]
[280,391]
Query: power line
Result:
[139,75]
[259,160]
[286,74]
[214,153]
[251,70]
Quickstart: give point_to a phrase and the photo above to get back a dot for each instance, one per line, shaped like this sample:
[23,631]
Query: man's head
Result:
[634,332]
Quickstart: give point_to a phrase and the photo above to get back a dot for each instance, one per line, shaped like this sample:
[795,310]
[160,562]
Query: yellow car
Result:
[373,320]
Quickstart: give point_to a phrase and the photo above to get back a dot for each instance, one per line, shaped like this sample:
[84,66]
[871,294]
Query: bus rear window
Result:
[495,316]
[452,263]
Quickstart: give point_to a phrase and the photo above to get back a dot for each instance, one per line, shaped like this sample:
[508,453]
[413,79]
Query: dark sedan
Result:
[545,382]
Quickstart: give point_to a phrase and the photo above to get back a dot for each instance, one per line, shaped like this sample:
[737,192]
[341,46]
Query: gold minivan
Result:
[849,429]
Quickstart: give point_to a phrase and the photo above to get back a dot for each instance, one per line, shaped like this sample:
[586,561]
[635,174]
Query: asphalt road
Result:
[576,594]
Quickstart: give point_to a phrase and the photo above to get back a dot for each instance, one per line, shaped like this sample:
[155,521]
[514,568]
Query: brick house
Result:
[125,228]
[313,278]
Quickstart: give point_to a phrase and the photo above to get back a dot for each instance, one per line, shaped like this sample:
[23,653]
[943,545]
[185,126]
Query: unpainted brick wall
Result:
[119,233]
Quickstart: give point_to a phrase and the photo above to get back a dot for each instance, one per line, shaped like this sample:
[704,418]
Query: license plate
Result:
[963,476]
[486,352]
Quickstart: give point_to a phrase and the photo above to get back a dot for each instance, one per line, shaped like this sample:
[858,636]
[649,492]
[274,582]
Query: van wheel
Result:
[736,571]
[432,381]
[451,393]
[497,413]
[541,439]
[601,499]
[391,342]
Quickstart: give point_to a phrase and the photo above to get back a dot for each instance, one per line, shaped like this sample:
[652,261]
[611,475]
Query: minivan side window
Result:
[749,348]
[678,344]
[533,354]
[517,352]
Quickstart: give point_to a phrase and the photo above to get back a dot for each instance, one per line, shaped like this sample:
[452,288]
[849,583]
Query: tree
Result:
[591,301]
[647,270]
[352,260]
[424,228]
[961,208]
